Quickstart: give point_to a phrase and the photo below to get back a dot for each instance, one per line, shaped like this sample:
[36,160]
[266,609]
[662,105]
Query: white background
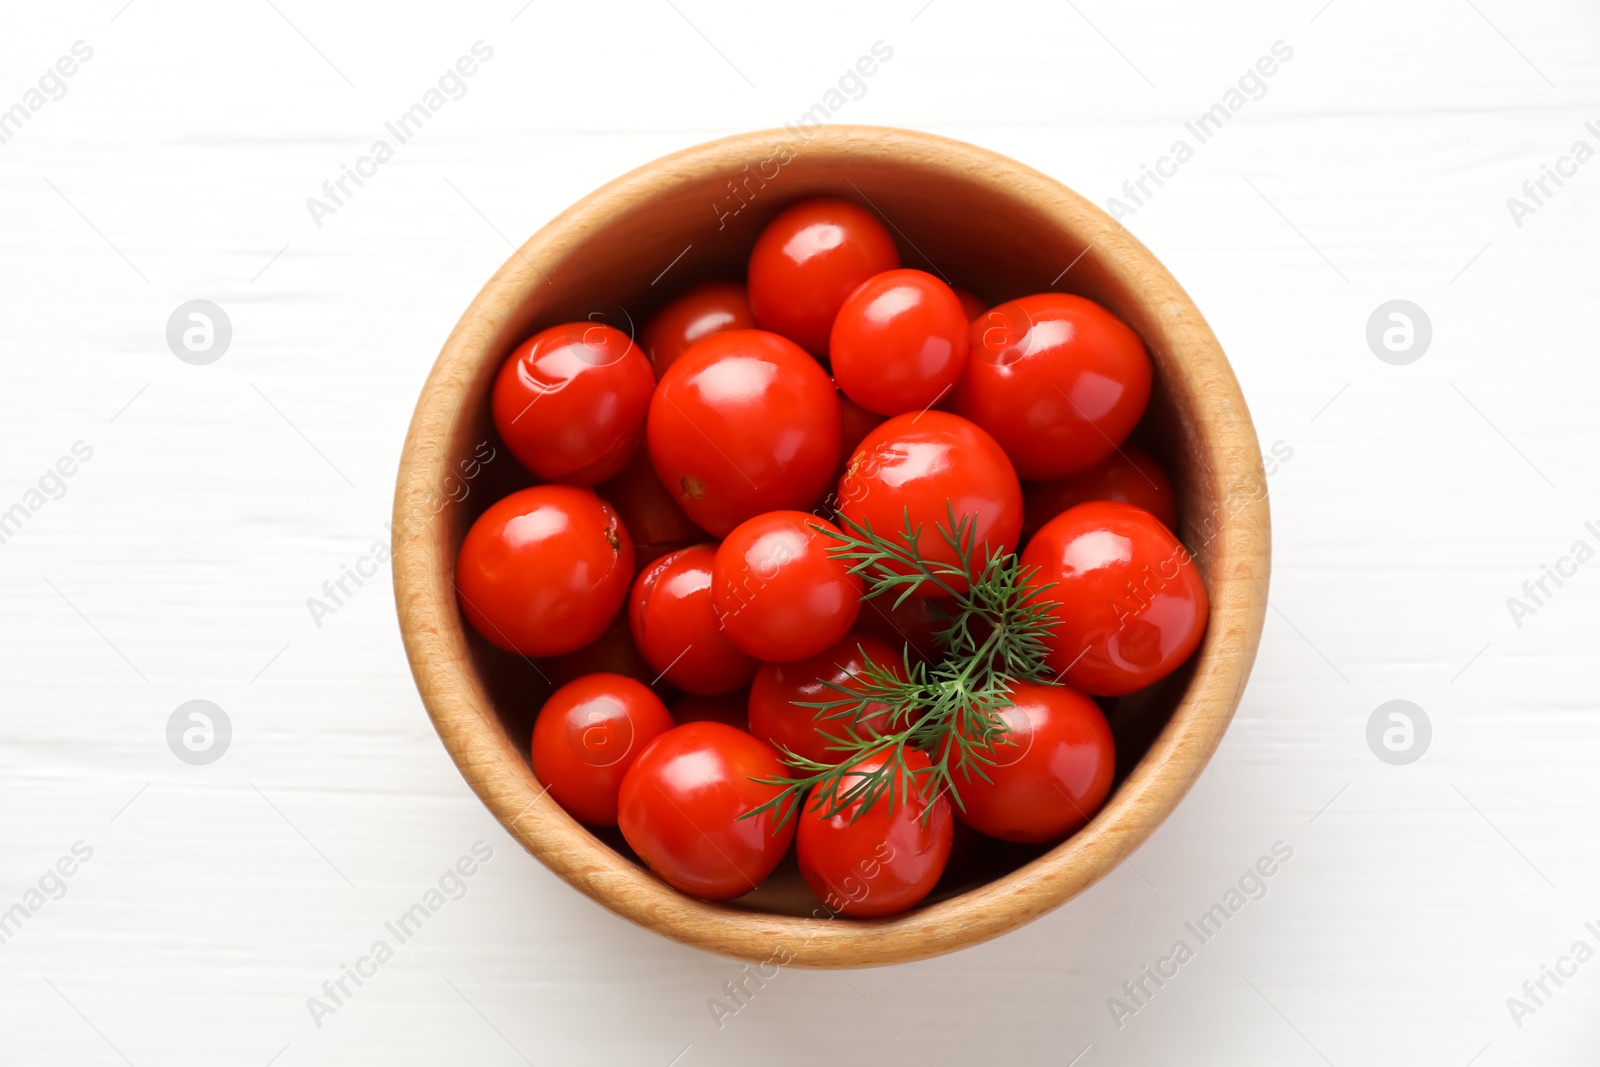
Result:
[219,498]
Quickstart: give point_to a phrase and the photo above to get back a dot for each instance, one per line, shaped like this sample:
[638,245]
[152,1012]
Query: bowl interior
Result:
[974,219]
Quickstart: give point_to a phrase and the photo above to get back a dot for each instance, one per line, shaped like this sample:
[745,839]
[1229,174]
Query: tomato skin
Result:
[681,804]
[1058,380]
[676,628]
[971,306]
[544,571]
[1053,777]
[884,862]
[928,463]
[708,308]
[1129,602]
[855,422]
[780,688]
[1129,475]
[613,652]
[654,520]
[778,594]
[571,402]
[913,623]
[808,260]
[586,737]
[899,342]
[730,709]
[744,422]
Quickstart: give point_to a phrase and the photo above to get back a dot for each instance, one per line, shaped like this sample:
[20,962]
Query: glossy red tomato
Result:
[1129,475]
[808,260]
[586,737]
[654,520]
[744,422]
[971,306]
[708,308]
[885,861]
[681,804]
[925,464]
[613,652]
[899,343]
[730,709]
[1130,605]
[545,570]
[571,402]
[778,593]
[1058,380]
[1053,776]
[676,627]
[779,690]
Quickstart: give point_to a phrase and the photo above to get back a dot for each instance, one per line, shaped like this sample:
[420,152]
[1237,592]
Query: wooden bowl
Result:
[988,224]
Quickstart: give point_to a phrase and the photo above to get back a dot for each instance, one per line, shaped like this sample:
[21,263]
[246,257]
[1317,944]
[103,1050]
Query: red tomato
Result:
[726,708]
[676,628]
[544,571]
[613,652]
[1129,602]
[1053,776]
[855,422]
[779,595]
[926,464]
[899,342]
[1058,380]
[571,402]
[744,422]
[586,737]
[808,260]
[780,688]
[654,520]
[708,308]
[971,306]
[1129,476]
[913,623]
[681,804]
[885,861]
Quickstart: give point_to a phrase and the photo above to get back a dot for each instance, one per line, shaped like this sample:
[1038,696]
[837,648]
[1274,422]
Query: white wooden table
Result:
[206,503]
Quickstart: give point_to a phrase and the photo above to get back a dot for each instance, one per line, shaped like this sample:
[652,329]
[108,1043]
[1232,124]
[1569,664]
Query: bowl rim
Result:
[432,629]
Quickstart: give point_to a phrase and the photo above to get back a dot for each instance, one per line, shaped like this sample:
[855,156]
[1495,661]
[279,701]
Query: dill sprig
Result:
[992,636]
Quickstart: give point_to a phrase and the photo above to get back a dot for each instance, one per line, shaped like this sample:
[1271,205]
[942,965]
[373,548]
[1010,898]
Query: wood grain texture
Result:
[996,226]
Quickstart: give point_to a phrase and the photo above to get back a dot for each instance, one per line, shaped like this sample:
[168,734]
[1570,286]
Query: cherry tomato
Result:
[571,402]
[855,422]
[654,520]
[971,306]
[912,623]
[1052,776]
[778,593]
[681,804]
[899,342]
[927,464]
[1058,380]
[613,652]
[886,860]
[1129,475]
[677,630]
[708,308]
[1129,602]
[586,737]
[779,690]
[744,422]
[808,260]
[545,570]
[726,708]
